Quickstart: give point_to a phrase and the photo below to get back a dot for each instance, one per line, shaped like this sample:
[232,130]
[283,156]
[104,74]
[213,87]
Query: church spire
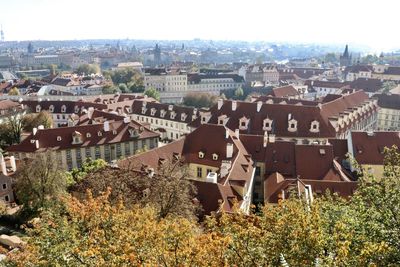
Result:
[346,51]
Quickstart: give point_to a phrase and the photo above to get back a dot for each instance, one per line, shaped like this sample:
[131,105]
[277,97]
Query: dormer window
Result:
[59,138]
[292,125]
[243,123]
[267,124]
[76,138]
[222,120]
[144,109]
[51,108]
[99,133]
[114,132]
[38,108]
[215,156]
[63,109]
[201,155]
[173,115]
[183,116]
[162,113]
[133,132]
[314,127]
[153,111]
[76,109]
[88,135]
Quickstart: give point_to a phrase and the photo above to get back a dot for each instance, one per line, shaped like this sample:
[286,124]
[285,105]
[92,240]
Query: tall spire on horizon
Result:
[2,33]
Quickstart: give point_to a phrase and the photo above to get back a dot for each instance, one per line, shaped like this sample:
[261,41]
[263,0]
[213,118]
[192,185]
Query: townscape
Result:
[119,152]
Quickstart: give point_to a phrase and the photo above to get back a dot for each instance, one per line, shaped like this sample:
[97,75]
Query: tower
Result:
[157,55]
[2,34]
[345,59]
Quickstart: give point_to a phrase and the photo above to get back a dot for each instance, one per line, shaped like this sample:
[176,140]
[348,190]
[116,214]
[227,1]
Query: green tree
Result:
[200,100]
[14,91]
[123,88]
[239,93]
[34,120]
[152,92]
[39,181]
[88,167]
[87,69]
[109,89]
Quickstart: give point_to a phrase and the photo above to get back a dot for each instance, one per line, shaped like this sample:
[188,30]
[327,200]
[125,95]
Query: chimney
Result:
[229,150]
[90,113]
[226,133]
[34,131]
[265,140]
[3,166]
[127,119]
[170,107]
[259,105]
[220,103]
[234,105]
[13,165]
[271,138]
[237,133]
[37,144]
[106,126]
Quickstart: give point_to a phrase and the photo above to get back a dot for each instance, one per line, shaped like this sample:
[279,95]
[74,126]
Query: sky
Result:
[365,22]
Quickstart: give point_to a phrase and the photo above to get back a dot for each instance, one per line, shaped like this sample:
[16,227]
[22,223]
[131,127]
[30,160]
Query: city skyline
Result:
[335,22]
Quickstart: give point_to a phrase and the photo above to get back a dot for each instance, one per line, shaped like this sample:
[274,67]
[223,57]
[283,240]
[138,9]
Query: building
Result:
[303,121]
[268,74]
[288,91]
[10,108]
[368,148]
[168,120]
[345,59]
[386,72]
[8,168]
[213,83]
[352,73]
[389,112]
[221,167]
[172,84]
[324,88]
[96,138]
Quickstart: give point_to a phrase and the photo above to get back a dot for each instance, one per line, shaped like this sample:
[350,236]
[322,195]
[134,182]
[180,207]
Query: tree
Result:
[87,69]
[200,100]
[94,232]
[39,181]
[14,91]
[239,93]
[152,92]
[169,190]
[109,89]
[10,130]
[88,167]
[123,88]
[34,120]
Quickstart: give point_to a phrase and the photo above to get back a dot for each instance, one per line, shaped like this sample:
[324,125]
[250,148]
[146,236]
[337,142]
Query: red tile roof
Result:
[368,147]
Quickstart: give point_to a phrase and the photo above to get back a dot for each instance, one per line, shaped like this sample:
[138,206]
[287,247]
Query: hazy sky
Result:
[372,23]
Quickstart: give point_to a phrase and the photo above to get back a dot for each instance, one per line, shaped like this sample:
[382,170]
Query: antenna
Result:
[2,33]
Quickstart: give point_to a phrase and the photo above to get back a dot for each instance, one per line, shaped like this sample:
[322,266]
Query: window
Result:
[209,170]
[7,198]
[201,154]
[97,152]
[4,186]
[118,150]
[88,152]
[258,171]
[127,149]
[199,172]
[215,156]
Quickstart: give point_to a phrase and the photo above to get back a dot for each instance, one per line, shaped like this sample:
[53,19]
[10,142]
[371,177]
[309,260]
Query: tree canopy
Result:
[152,92]
[200,100]
[329,231]
[87,69]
